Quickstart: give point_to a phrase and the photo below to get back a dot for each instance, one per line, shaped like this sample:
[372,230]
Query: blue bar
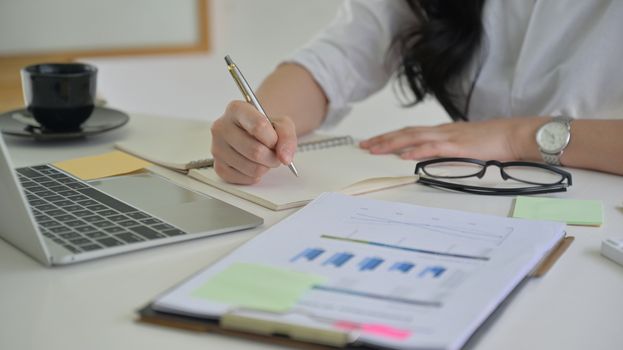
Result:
[338,259]
[309,254]
[436,271]
[403,267]
[369,264]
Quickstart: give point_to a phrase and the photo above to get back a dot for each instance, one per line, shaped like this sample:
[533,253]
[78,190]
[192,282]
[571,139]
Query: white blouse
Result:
[538,57]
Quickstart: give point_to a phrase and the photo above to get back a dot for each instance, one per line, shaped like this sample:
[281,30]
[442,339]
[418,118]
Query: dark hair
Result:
[438,48]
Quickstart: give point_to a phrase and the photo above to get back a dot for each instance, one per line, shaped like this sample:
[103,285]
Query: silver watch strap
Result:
[554,159]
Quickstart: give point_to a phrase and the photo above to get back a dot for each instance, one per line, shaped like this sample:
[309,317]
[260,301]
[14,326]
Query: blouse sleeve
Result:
[351,58]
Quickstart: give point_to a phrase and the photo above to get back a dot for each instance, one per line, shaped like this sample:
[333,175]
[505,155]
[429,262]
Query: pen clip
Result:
[234,73]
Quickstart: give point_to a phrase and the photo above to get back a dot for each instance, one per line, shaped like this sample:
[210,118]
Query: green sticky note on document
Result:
[571,211]
[258,287]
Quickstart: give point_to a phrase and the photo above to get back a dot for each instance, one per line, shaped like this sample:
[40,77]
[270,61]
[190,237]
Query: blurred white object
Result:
[612,248]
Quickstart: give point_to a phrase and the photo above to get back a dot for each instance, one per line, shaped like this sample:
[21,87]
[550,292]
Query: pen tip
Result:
[228,60]
[293,169]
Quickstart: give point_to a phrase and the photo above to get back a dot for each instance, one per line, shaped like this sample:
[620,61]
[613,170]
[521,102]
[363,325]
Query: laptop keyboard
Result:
[77,216]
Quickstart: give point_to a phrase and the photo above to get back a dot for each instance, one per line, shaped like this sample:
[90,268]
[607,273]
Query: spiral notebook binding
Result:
[326,143]
[200,163]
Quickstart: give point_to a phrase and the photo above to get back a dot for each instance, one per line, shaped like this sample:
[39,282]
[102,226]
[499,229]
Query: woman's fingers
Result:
[245,144]
[491,139]
[232,175]
[252,121]
[248,147]
[395,141]
[286,139]
[430,150]
[229,155]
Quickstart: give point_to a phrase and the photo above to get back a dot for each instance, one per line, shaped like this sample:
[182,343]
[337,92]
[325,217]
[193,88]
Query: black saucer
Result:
[20,122]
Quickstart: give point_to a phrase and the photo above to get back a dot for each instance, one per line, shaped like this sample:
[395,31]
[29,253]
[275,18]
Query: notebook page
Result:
[323,170]
[174,144]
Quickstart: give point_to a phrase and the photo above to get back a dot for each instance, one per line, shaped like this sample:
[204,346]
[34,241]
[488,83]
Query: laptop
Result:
[58,219]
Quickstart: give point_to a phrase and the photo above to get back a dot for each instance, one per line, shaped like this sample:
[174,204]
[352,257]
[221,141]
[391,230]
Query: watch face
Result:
[553,137]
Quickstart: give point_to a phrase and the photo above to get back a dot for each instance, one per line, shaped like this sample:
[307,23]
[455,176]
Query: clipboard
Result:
[299,337]
[148,315]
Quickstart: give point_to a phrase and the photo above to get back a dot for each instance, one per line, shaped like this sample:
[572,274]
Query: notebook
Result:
[364,272]
[325,163]
[180,145]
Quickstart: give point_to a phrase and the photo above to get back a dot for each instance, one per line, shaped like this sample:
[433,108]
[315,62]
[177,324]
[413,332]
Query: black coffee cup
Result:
[60,96]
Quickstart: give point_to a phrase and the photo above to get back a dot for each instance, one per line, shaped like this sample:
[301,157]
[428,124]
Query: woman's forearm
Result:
[292,91]
[594,144]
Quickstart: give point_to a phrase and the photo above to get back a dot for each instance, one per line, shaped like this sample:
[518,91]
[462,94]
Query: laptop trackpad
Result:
[188,210]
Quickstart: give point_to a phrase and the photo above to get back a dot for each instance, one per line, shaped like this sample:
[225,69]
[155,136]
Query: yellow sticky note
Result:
[103,165]
[258,287]
[571,211]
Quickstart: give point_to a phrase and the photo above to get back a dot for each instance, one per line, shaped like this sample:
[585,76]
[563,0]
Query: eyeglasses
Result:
[458,174]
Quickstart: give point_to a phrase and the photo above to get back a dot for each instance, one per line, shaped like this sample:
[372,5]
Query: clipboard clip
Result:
[249,324]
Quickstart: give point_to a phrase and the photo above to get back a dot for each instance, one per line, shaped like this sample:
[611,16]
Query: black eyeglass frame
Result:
[539,188]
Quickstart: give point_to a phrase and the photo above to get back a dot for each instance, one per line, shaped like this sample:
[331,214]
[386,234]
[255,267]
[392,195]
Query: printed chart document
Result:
[379,273]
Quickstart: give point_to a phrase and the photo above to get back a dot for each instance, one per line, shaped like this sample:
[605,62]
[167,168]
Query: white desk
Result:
[577,305]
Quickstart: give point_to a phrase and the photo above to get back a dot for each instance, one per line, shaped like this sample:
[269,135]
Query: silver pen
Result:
[249,96]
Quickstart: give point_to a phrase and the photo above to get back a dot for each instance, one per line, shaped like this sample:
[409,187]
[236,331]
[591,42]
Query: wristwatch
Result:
[553,137]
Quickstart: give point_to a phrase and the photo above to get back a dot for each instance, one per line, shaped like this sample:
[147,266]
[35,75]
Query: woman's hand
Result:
[500,139]
[245,145]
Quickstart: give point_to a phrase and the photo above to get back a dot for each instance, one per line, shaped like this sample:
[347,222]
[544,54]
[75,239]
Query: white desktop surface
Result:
[577,305]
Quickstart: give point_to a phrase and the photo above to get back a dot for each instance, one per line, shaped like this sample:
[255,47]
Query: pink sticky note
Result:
[375,329]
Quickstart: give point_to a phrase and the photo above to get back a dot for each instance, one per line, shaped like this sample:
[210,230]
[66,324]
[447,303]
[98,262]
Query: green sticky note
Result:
[258,287]
[571,211]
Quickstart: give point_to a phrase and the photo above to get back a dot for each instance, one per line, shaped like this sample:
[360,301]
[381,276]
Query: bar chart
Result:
[342,259]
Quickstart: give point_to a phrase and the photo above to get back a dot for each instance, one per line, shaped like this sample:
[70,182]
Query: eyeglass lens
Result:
[462,171]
